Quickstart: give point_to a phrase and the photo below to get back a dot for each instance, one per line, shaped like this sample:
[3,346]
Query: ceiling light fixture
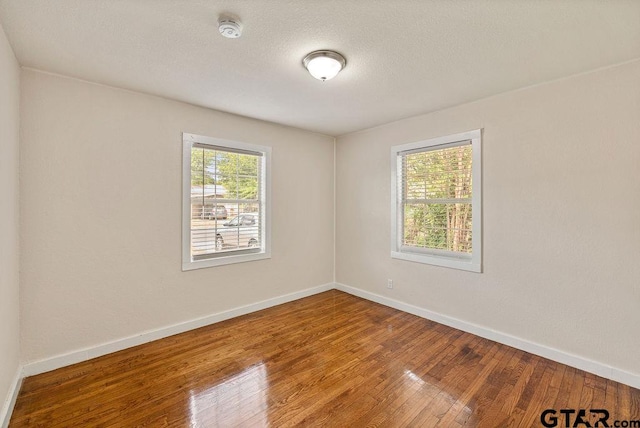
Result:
[324,65]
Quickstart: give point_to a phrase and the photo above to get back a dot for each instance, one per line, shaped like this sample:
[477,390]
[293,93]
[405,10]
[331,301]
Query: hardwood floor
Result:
[327,360]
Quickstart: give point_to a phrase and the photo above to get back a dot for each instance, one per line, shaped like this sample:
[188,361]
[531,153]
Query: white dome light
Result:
[324,65]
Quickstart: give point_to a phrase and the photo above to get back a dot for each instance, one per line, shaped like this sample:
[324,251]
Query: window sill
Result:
[449,262]
[226,260]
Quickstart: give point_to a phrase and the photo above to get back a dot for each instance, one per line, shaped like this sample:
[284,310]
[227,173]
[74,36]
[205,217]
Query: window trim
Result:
[460,261]
[188,263]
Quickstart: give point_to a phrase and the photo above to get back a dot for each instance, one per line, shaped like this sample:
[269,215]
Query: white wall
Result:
[561,171]
[101,215]
[9,219]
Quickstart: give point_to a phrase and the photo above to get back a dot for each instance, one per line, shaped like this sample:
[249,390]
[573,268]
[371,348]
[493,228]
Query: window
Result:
[225,206]
[436,211]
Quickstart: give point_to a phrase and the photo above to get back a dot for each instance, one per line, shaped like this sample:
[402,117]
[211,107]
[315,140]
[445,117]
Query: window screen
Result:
[437,207]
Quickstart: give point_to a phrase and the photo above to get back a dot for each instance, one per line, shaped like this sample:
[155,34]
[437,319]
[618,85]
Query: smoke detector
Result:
[230,27]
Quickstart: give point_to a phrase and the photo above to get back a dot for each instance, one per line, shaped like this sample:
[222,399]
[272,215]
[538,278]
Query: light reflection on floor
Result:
[414,377]
[232,402]
[456,405]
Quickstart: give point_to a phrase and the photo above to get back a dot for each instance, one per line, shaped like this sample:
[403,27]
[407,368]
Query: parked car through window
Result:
[241,231]
[219,212]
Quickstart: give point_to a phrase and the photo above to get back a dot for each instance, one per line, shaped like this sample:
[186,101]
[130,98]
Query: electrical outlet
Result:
[389,283]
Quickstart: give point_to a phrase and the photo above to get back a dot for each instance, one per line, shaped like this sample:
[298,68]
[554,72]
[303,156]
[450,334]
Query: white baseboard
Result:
[85,354]
[557,355]
[10,402]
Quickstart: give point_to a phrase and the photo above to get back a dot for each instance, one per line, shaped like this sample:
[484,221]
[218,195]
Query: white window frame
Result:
[188,263]
[472,263]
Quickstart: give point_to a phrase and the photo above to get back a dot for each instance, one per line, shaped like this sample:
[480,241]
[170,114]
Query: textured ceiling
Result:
[404,57]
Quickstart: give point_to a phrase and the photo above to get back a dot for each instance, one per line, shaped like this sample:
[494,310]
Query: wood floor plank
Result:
[330,360]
